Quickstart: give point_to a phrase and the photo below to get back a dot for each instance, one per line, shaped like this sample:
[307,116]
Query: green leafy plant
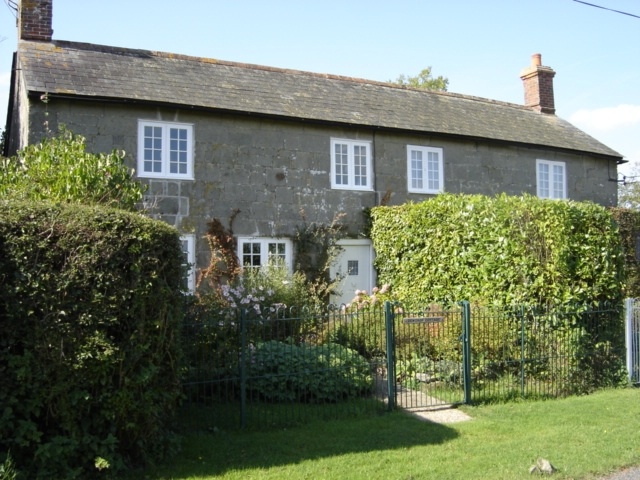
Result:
[499,250]
[628,222]
[59,169]
[8,470]
[90,310]
[313,373]
[317,248]
[360,324]
[309,287]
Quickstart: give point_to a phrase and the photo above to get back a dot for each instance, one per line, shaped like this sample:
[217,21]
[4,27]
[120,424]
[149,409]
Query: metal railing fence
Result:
[534,352]
[275,366]
[632,339]
[281,366]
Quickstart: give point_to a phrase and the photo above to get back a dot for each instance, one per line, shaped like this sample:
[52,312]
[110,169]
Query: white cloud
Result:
[607,119]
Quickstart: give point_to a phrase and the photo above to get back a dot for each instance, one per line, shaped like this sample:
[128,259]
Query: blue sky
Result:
[481,46]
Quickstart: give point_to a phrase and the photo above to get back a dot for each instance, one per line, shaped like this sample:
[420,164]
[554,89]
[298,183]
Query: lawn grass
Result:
[582,436]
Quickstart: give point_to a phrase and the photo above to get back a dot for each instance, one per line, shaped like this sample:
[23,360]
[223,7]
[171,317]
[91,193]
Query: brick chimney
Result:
[538,86]
[35,20]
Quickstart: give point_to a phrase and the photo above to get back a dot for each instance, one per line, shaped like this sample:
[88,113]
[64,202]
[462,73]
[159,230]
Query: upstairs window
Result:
[165,150]
[258,252]
[351,165]
[425,173]
[552,179]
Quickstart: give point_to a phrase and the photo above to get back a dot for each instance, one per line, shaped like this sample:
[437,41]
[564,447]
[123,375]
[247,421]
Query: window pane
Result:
[277,250]
[360,165]
[341,164]
[543,180]
[251,254]
[558,181]
[433,170]
[352,267]
[416,169]
[178,150]
[152,151]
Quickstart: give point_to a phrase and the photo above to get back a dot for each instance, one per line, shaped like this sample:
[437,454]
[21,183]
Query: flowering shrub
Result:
[239,297]
[266,291]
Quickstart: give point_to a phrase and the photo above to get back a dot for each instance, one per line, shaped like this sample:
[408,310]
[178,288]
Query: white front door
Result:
[355,266]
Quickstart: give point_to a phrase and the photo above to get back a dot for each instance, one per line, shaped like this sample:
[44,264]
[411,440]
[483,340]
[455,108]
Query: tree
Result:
[59,169]
[424,80]
[629,190]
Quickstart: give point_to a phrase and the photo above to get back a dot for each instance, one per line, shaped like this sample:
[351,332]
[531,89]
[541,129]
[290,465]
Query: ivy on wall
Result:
[317,248]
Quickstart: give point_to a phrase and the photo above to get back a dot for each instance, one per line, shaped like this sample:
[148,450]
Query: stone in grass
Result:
[542,467]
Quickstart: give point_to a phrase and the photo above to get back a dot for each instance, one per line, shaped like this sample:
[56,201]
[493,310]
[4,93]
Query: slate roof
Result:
[103,72]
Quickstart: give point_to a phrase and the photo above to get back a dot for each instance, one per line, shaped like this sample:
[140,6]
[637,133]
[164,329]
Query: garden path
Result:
[431,409]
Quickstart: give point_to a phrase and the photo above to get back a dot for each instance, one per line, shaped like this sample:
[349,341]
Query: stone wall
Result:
[277,173]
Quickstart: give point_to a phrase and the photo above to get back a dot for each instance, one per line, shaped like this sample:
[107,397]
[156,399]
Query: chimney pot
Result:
[536,59]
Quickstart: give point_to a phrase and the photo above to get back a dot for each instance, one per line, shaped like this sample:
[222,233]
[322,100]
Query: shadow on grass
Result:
[211,454]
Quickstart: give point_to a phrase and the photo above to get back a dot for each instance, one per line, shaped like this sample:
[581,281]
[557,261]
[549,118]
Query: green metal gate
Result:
[428,356]
[437,358]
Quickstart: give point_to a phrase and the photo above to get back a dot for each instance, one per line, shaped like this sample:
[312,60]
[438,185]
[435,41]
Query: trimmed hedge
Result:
[499,250]
[91,305]
[629,225]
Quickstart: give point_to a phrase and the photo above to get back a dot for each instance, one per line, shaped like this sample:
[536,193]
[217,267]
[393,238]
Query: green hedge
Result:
[499,250]
[629,225]
[91,304]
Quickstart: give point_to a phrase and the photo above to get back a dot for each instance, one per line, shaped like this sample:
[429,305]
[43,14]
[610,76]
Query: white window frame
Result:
[264,253]
[351,170]
[432,179]
[546,185]
[189,251]
[164,149]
